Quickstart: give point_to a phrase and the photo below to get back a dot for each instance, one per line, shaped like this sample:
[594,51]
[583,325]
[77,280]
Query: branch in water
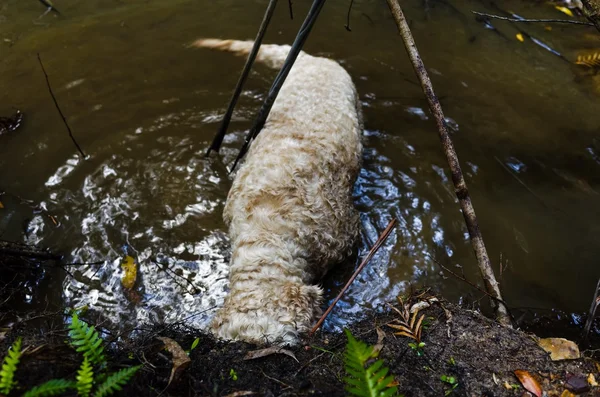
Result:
[58,108]
[460,185]
[525,20]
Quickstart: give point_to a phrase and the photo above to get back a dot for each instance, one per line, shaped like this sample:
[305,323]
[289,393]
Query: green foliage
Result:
[116,381]
[450,380]
[9,367]
[85,378]
[233,374]
[85,339]
[51,388]
[364,381]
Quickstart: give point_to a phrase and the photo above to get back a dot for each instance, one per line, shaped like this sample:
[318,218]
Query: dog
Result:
[290,211]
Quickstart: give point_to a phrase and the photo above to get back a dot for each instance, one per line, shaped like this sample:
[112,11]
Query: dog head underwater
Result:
[290,211]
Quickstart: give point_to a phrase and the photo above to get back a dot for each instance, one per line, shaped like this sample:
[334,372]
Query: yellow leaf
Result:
[130,272]
[520,37]
[592,380]
[548,28]
[559,348]
[564,10]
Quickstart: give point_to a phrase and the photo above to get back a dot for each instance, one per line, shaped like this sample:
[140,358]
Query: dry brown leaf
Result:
[529,382]
[507,385]
[179,358]
[592,380]
[1,205]
[254,354]
[379,345]
[591,60]
[560,348]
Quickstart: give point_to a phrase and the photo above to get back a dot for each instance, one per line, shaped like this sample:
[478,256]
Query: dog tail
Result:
[270,54]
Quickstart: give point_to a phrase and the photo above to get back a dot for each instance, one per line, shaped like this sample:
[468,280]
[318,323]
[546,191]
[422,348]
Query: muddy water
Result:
[144,108]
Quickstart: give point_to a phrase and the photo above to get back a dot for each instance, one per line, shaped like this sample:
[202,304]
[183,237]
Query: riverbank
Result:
[474,355]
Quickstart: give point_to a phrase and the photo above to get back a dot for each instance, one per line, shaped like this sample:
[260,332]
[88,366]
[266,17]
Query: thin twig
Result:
[592,12]
[299,41]
[384,235]
[591,314]
[347,26]
[291,7]
[218,139]
[460,186]
[526,20]
[58,107]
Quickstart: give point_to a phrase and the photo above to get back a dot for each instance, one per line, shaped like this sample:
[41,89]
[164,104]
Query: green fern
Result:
[365,382]
[51,388]
[85,378]
[85,339]
[115,381]
[9,367]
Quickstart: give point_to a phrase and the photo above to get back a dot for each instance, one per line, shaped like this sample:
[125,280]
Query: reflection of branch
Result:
[384,235]
[525,20]
[592,314]
[347,26]
[58,108]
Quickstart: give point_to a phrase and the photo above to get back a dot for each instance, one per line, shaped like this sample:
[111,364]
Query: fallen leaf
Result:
[560,348]
[529,382]
[240,394]
[379,345]
[423,304]
[567,393]
[520,37]
[179,358]
[590,60]
[130,272]
[251,355]
[577,384]
[1,205]
[592,380]
[495,379]
[564,10]
[507,385]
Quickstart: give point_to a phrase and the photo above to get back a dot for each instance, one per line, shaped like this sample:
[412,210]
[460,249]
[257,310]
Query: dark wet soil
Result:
[480,354]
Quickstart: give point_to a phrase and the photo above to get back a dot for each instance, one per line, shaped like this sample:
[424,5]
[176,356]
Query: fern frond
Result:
[85,339]
[85,378]
[365,382]
[9,367]
[51,388]
[116,381]
[591,60]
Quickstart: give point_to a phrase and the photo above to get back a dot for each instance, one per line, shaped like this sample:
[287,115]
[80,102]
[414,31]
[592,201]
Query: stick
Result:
[291,7]
[592,314]
[591,10]
[347,26]
[460,186]
[218,140]
[299,41]
[525,20]
[384,235]
[58,108]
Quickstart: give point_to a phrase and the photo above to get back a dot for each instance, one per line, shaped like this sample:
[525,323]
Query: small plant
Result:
[9,367]
[85,339]
[451,361]
[409,326]
[366,381]
[450,380]
[194,345]
[233,375]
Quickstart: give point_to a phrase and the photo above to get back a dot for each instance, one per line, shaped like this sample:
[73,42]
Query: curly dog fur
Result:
[290,210]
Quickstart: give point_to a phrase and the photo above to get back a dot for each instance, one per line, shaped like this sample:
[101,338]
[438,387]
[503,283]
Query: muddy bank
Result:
[478,353]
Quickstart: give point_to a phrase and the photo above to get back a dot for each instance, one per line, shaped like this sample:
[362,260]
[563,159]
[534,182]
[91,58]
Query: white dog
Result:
[290,210]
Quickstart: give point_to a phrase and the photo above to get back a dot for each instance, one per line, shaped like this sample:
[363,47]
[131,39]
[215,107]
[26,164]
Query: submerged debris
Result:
[9,124]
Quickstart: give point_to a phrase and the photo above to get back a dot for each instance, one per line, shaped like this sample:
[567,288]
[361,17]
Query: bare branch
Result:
[460,186]
[525,20]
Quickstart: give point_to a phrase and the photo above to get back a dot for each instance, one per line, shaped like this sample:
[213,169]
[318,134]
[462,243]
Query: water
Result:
[144,107]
